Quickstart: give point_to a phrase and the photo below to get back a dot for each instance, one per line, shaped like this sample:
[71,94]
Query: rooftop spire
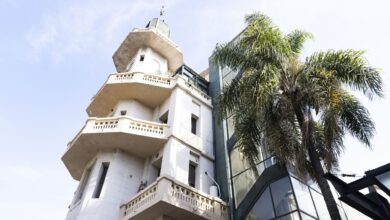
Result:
[162,11]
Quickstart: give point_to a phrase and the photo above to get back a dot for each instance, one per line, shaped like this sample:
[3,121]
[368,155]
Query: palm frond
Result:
[350,67]
[356,119]
[297,38]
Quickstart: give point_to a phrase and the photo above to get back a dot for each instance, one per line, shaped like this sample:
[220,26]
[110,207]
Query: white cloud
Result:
[84,26]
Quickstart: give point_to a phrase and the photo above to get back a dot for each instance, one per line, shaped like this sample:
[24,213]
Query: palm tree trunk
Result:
[324,185]
[315,160]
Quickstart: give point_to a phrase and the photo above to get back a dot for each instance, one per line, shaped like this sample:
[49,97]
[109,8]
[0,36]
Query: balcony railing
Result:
[124,124]
[158,80]
[128,77]
[167,190]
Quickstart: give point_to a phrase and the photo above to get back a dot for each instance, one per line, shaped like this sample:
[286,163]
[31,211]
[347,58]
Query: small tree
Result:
[300,110]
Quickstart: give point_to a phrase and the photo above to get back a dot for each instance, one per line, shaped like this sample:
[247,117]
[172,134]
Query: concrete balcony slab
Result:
[138,137]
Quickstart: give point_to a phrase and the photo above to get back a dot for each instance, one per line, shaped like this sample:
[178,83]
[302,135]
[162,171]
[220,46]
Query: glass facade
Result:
[290,198]
[244,175]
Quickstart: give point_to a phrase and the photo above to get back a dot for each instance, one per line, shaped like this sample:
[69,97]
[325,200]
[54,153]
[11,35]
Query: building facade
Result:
[146,149]
[151,148]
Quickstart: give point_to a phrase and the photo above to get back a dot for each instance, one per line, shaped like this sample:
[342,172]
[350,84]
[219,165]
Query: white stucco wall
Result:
[122,181]
[182,107]
[134,109]
[162,109]
[153,62]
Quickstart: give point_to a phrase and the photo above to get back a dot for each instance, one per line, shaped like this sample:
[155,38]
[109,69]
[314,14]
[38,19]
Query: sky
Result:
[55,55]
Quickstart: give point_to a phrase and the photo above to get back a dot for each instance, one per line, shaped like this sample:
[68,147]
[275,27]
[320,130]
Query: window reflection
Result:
[303,197]
[320,205]
[230,127]
[242,183]
[283,196]
[292,216]
[263,209]
[238,162]
[306,217]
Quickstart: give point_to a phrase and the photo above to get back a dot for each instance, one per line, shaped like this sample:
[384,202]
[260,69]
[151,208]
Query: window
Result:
[320,204]
[101,179]
[194,120]
[230,126]
[283,196]
[263,208]
[142,58]
[303,197]
[292,216]
[164,118]
[191,174]
[83,183]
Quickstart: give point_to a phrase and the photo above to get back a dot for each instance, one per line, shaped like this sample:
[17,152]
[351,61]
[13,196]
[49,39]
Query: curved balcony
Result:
[149,89]
[169,197]
[138,137]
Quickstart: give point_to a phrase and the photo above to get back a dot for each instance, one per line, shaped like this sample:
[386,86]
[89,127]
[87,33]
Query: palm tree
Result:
[300,110]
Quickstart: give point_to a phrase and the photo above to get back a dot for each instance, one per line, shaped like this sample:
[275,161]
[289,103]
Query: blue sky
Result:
[55,55]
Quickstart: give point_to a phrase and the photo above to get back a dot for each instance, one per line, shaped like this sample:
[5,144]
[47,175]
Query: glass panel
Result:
[230,127]
[306,217]
[342,213]
[226,70]
[238,162]
[270,161]
[384,179]
[292,216]
[242,184]
[334,193]
[313,185]
[260,169]
[283,196]
[303,197]
[228,78]
[320,205]
[263,209]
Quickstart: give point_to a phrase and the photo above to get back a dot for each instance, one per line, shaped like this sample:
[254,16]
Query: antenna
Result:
[162,11]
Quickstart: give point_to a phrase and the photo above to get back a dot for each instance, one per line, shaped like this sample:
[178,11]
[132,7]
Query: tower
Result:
[146,149]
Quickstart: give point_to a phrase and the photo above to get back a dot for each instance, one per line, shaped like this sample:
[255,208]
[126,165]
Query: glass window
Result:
[226,70]
[283,196]
[342,213]
[302,194]
[263,209]
[384,179]
[270,161]
[260,169]
[193,124]
[230,127]
[101,179]
[242,183]
[227,79]
[306,217]
[320,205]
[191,175]
[292,216]
[238,162]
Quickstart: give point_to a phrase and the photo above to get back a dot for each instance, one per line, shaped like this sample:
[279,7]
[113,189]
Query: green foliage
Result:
[293,107]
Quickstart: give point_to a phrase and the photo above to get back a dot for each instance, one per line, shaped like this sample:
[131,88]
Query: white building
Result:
[147,144]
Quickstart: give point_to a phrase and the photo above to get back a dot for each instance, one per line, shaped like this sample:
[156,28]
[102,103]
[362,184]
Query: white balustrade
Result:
[157,79]
[125,124]
[166,189]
